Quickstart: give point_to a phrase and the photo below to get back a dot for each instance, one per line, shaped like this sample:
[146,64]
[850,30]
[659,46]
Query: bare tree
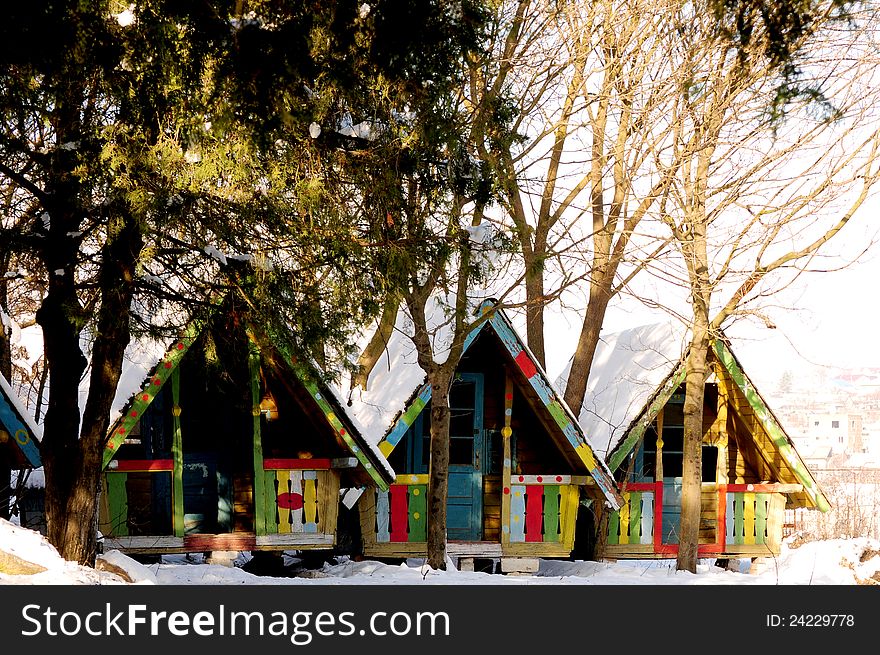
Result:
[767,173]
[589,95]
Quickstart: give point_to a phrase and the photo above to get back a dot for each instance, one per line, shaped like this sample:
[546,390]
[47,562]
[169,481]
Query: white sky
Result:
[823,320]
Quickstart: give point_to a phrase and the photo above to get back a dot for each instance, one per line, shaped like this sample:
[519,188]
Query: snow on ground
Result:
[833,562]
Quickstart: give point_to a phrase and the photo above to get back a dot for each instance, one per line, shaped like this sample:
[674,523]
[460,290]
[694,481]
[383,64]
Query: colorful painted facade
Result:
[230,444]
[751,470]
[19,435]
[519,463]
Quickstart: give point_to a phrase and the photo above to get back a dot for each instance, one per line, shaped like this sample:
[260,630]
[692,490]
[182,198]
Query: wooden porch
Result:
[538,514]
[736,520]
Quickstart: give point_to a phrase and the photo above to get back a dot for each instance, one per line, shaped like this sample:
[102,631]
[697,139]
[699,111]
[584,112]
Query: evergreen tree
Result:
[151,143]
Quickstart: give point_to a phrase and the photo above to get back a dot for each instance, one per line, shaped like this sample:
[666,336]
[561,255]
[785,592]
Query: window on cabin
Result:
[835,424]
[644,460]
[462,410]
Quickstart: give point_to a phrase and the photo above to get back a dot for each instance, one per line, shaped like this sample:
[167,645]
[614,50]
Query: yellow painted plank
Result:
[749,518]
[624,520]
[310,503]
[283,478]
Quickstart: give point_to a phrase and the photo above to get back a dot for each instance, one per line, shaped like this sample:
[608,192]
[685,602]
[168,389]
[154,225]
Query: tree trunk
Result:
[692,471]
[588,341]
[535,311]
[73,454]
[439,477]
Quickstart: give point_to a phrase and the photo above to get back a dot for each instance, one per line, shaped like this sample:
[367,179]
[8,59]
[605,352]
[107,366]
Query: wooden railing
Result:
[301,496]
[634,522]
[743,518]
[117,515]
[401,512]
[540,512]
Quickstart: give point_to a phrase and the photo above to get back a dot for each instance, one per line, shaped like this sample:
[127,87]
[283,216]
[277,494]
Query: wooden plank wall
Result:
[492,507]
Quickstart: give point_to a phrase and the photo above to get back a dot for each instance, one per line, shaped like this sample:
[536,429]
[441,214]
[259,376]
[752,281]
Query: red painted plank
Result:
[143,465]
[534,512]
[658,516]
[721,525]
[525,364]
[639,486]
[399,512]
[296,464]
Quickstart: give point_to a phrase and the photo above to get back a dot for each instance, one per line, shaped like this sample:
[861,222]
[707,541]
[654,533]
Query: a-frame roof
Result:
[636,371]
[149,364]
[397,391]
[24,433]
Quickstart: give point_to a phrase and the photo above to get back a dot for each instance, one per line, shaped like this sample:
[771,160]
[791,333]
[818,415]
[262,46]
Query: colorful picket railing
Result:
[746,517]
[116,477]
[296,498]
[541,508]
[401,512]
[634,522]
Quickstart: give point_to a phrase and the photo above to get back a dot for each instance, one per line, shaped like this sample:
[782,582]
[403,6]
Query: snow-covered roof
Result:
[628,368]
[147,365]
[378,410]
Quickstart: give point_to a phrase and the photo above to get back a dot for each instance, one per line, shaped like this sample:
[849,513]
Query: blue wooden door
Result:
[464,506]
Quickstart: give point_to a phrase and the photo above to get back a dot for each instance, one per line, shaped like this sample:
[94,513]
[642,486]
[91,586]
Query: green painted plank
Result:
[177,455]
[635,516]
[614,528]
[270,500]
[117,503]
[551,513]
[260,506]
[761,502]
[143,398]
[418,510]
[738,518]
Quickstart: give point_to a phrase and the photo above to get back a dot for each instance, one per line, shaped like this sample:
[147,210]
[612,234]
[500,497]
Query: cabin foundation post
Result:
[222,557]
[466,564]
[519,565]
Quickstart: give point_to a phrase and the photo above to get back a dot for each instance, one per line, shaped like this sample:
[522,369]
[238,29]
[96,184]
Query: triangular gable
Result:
[22,429]
[539,382]
[162,371]
[771,425]
[768,422]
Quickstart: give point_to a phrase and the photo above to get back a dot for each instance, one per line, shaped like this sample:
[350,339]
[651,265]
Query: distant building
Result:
[841,432]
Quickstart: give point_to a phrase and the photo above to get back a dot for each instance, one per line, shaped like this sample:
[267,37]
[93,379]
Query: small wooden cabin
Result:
[228,444]
[519,463]
[751,471]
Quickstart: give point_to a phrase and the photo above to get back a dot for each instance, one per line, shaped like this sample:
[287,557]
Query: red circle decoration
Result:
[288,500]
[540,479]
[180,346]
[521,478]
[121,430]
[134,413]
[145,397]
[506,491]
[559,478]
[167,364]
[342,431]
[157,381]
[508,396]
